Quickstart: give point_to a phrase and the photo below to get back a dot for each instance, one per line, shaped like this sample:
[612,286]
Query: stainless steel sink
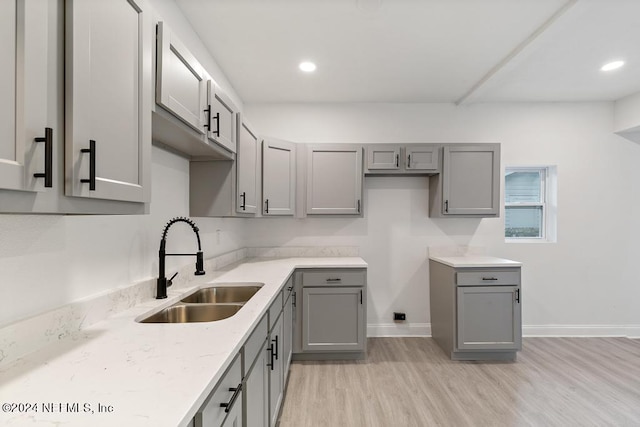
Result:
[183,313]
[221,294]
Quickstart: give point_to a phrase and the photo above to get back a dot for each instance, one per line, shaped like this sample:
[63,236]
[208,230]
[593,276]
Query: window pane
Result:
[523,221]
[522,187]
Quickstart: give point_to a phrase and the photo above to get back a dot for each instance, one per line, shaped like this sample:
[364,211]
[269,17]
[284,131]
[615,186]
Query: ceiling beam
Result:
[466,98]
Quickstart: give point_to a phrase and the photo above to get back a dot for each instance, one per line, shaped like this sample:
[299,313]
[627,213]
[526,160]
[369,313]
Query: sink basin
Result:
[223,294]
[193,313]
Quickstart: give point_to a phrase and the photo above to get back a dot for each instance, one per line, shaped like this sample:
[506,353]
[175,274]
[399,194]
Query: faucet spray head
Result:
[199,264]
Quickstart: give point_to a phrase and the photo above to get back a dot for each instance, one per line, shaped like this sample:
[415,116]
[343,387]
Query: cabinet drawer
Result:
[488,277]
[275,310]
[343,277]
[254,344]
[211,413]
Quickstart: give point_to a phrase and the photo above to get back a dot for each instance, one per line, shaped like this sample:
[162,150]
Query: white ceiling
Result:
[422,50]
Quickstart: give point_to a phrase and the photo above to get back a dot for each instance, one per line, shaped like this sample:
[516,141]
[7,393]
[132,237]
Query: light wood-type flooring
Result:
[411,382]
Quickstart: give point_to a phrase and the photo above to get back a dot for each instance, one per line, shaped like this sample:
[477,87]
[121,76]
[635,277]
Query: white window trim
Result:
[548,203]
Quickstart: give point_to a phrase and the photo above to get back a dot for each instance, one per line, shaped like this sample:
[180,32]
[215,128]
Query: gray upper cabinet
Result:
[381,157]
[396,159]
[421,158]
[23,95]
[278,177]
[469,184]
[181,82]
[108,94]
[247,163]
[334,179]
[220,119]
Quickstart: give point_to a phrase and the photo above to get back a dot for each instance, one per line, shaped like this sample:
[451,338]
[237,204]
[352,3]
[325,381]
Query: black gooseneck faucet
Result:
[163,283]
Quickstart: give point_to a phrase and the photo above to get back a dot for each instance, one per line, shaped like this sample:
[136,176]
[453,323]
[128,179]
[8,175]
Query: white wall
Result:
[587,278]
[49,260]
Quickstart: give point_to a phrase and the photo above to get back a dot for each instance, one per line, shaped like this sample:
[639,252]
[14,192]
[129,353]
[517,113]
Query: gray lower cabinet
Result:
[331,314]
[223,407]
[476,312]
[334,179]
[276,372]
[469,184]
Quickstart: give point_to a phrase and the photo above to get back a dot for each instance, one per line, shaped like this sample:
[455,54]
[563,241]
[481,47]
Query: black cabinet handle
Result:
[397,160]
[518,295]
[446,206]
[293,302]
[360,296]
[217,119]
[236,392]
[243,205]
[92,165]
[207,121]
[271,353]
[489,278]
[48,158]
[337,279]
[266,206]
[276,349]
[358,205]
[409,161]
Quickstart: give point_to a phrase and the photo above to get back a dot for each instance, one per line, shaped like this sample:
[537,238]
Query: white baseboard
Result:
[399,330]
[424,330]
[629,331]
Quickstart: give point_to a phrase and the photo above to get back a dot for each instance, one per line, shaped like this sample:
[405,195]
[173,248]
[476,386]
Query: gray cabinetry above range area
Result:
[407,159]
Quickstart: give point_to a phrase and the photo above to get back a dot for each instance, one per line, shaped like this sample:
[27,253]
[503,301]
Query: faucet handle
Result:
[170,281]
[199,264]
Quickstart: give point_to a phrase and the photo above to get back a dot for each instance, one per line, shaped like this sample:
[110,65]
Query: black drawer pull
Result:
[518,295]
[275,352]
[337,279]
[48,158]
[207,121]
[92,165]
[236,392]
[271,355]
[243,205]
[489,278]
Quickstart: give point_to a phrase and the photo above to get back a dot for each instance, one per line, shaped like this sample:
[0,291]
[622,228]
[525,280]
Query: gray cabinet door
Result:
[221,117]
[383,157]
[246,164]
[287,333]
[181,81]
[276,386]
[333,319]
[471,179]
[23,93]
[421,158]
[488,318]
[108,99]
[278,177]
[256,391]
[334,179]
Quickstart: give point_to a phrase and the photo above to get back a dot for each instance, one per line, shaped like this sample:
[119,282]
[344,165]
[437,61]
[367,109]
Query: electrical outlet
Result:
[399,316]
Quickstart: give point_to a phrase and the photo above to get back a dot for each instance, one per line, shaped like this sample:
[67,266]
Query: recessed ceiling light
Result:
[612,65]
[307,66]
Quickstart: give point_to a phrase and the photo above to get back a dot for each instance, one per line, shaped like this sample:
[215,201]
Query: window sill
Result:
[525,240]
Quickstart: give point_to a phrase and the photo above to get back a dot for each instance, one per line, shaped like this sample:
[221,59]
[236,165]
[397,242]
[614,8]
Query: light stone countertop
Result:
[475,261]
[143,374]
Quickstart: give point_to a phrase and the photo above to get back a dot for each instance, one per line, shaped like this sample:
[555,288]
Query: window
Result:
[527,192]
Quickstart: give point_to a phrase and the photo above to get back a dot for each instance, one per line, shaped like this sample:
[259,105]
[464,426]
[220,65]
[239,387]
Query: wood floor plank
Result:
[411,382]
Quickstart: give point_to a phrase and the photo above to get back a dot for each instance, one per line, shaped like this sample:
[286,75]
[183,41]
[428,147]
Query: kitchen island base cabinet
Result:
[476,312]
